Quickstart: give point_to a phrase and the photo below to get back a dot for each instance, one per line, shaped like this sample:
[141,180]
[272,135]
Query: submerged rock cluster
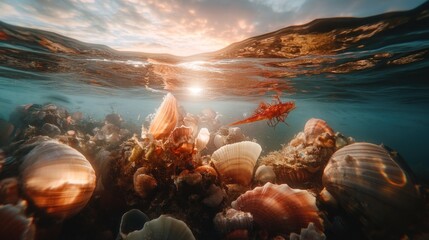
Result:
[185,176]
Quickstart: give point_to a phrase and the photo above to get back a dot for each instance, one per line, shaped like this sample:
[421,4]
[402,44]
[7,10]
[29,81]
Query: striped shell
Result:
[235,162]
[279,208]
[314,127]
[365,181]
[163,228]
[232,219]
[57,178]
[165,119]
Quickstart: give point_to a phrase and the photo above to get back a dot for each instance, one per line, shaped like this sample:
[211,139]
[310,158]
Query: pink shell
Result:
[314,127]
[279,208]
[165,119]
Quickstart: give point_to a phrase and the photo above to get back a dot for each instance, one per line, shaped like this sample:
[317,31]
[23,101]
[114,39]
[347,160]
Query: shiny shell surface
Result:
[365,180]
[279,208]
[165,119]
[163,228]
[235,162]
[57,178]
[314,127]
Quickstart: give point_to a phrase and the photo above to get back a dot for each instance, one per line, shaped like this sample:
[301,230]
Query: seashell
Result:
[191,121]
[235,162]
[14,224]
[279,208]
[265,174]
[131,221]
[143,183]
[202,139]
[57,178]
[182,140]
[219,140]
[293,176]
[232,219]
[308,233]
[163,228]
[371,186]
[207,170]
[314,127]
[325,140]
[165,119]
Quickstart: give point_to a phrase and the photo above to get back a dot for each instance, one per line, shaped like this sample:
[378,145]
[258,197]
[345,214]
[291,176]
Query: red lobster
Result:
[274,113]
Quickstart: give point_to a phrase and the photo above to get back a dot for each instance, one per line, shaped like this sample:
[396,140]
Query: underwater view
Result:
[291,124]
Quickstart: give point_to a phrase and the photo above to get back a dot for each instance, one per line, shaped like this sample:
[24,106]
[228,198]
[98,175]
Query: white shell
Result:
[163,228]
[57,178]
[202,139]
[365,181]
[235,162]
[265,174]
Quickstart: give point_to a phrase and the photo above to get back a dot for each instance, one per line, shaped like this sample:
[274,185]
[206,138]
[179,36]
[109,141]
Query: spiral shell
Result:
[279,208]
[165,119]
[163,228]
[314,127]
[365,181]
[57,178]
[235,162]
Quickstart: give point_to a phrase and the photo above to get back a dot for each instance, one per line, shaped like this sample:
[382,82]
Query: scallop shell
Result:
[202,139]
[165,119]
[314,127]
[279,208]
[143,183]
[235,162]
[57,178]
[370,185]
[163,228]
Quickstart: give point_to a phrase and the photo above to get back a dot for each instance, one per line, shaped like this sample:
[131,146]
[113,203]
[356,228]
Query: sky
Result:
[180,27]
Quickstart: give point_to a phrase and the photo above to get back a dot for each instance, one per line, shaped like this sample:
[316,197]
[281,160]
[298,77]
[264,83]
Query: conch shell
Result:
[314,127]
[57,178]
[369,185]
[235,162]
[165,119]
[279,208]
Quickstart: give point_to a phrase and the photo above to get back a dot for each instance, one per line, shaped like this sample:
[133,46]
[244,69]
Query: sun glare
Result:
[194,90]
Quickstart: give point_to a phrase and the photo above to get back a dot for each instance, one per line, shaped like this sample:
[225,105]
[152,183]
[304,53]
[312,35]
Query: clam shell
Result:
[57,178]
[265,174]
[365,181]
[143,183]
[279,208]
[202,139]
[235,162]
[314,127]
[165,119]
[163,228]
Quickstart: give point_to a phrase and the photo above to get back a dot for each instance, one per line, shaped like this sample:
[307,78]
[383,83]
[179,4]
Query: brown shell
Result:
[365,180]
[235,162]
[57,178]
[232,219]
[182,140]
[143,183]
[314,127]
[279,208]
[165,119]
[294,177]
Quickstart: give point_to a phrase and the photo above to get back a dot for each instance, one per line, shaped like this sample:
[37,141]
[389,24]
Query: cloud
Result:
[181,27]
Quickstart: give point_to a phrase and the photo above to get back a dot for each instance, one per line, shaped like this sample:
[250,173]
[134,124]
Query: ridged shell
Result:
[279,208]
[314,127]
[235,162]
[57,178]
[163,228]
[131,221]
[371,186]
[165,119]
[232,219]
[202,139]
